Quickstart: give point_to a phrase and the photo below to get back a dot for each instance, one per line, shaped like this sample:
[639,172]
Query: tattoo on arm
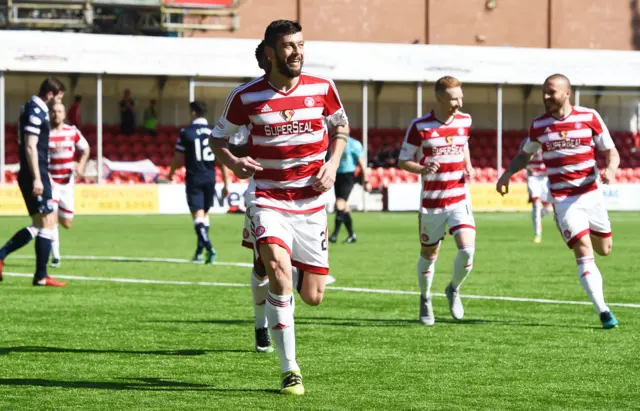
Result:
[519,162]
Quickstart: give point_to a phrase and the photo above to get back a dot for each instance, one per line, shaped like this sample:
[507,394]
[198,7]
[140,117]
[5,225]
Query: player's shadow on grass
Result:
[40,349]
[378,322]
[128,384]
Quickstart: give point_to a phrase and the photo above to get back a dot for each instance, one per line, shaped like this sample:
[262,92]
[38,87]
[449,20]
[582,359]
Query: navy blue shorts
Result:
[42,204]
[200,195]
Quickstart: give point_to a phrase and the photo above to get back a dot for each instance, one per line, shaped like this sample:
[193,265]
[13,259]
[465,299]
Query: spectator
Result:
[388,156]
[127,114]
[75,113]
[151,118]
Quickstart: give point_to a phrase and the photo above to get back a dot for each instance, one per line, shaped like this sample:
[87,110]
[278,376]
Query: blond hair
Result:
[446,82]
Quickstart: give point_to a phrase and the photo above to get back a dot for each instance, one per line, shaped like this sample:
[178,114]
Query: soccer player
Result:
[440,139]
[192,150]
[284,111]
[34,181]
[345,179]
[568,136]
[538,187]
[64,140]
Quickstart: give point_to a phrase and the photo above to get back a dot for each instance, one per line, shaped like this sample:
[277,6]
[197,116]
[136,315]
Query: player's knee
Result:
[605,248]
[340,204]
[66,223]
[467,253]
[313,298]
[430,253]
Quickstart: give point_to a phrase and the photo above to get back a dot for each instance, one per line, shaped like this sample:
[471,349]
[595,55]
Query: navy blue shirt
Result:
[199,160]
[34,120]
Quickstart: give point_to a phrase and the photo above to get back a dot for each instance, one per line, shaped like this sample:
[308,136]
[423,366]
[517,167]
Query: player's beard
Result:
[552,105]
[286,70]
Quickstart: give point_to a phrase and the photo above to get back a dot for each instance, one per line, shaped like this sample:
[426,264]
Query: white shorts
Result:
[583,215]
[63,198]
[304,236]
[248,240]
[538,188]
[433,226]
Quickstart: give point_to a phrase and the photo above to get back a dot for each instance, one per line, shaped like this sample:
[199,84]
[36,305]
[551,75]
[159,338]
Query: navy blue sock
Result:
[19,240]
[203,236]
[339,221]
[348,223]
[43,249]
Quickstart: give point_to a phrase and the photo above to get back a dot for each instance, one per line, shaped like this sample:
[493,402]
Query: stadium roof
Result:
[56,52]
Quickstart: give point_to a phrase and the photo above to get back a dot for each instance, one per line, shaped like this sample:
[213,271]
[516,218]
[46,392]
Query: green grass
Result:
[116,346]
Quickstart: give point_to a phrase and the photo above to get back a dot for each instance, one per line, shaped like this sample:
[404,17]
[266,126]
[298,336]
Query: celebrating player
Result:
[288,145]
[443,158]
[64,140]
[567,136]
[34,181]
[538,187]
[192,150]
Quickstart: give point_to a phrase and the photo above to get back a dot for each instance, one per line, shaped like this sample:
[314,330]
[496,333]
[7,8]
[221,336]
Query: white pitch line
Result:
[348,289]
[141,259]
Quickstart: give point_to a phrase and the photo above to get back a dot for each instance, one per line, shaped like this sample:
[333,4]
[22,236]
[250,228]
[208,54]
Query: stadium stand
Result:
[160,150]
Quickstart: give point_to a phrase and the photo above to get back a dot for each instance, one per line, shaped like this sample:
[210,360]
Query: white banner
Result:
[406,197]
[173,200]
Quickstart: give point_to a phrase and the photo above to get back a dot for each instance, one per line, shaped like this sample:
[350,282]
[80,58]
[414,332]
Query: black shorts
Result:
[344,185]
[200,194]
[42,204]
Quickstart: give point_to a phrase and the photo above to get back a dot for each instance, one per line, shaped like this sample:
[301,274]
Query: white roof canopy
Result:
[56,52]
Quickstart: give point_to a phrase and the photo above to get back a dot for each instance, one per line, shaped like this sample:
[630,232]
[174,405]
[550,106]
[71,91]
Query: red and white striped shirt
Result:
[536,166]
[443,142]
[568,149]
[287,137]
[62,148]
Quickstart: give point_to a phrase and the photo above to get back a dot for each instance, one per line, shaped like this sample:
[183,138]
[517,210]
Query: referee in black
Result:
[345,179]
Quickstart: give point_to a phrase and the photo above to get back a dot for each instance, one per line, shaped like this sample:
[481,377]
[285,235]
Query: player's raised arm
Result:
[410,146]
[519,162]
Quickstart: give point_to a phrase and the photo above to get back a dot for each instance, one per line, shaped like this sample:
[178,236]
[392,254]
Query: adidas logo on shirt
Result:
[266,109]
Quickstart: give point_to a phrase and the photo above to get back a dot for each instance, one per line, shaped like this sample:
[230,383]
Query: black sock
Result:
[339,221]
[203,236]
[43,249]
[19,240]
[348,223]
[300,279]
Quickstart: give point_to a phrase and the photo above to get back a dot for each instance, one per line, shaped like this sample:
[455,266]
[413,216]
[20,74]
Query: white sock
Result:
[55,242]
[426,270]
[536,218]
[462,266]
[546,211]
[259,289]
[280,316]
[591,281]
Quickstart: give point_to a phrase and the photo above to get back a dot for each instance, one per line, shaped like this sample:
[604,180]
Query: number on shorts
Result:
[323,243]
[203,151]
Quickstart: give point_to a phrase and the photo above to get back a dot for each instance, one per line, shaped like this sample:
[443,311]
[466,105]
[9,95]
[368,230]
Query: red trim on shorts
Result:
[274,240]
[311,211]
[247,244]
[432,244]
[576,237]
[64,210]
[461,226]
[310,268]
[534,199]
[602,235]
